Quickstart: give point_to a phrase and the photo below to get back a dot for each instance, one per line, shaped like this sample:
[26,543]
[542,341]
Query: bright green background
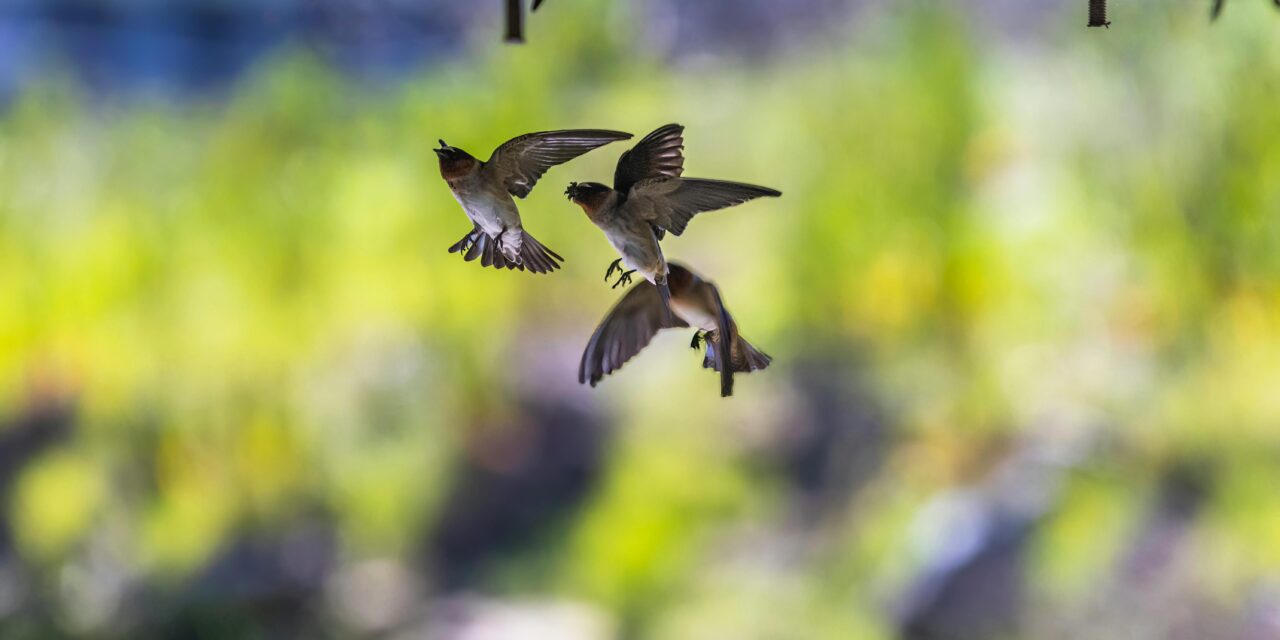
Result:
[1068,242]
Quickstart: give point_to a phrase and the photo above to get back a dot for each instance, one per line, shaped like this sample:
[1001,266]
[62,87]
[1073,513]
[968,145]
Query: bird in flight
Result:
[648,199]
[485,190]
[640,314]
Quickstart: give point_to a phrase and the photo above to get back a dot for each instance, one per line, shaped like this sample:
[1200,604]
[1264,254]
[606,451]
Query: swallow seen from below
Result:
[640,314]
[648,199]
[484,190]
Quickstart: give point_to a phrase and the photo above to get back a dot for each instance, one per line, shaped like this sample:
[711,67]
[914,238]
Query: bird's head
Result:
[591,196]
[454,162]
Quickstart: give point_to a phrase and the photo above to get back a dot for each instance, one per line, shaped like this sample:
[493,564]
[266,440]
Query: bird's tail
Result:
[743,358]
[665,293]
[536,257]
[478,244]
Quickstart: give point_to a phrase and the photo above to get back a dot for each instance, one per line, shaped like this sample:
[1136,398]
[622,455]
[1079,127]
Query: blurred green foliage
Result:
[251,307]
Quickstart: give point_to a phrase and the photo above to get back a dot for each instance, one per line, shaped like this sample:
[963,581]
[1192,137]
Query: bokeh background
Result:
[1022,291]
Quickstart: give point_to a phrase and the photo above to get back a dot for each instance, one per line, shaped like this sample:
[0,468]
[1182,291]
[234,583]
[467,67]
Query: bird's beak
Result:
[571,191]
[444,148]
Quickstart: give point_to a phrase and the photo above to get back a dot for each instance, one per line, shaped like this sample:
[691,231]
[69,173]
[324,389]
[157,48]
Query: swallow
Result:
[485,190]
[639,315]
[515,20]
[649,198]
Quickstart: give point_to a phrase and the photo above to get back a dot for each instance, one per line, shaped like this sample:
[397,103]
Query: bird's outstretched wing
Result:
[669,203]
[657,155]
[627,329]
[520,162]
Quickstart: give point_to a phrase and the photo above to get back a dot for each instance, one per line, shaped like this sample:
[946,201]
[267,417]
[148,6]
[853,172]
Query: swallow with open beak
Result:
[485,190]
[640,314]
[648,199]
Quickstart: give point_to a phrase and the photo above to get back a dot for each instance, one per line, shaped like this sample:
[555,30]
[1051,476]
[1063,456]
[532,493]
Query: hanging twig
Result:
[1098,13]
[1217,8]
[515,21]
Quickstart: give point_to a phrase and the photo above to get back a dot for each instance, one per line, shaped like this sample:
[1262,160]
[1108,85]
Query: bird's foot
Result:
[696,344]
[624,279]
[616,265]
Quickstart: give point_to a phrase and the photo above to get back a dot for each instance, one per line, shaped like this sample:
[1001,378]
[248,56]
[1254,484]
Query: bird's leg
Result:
[624,279]
[696,345]
[616,265]
[497,240]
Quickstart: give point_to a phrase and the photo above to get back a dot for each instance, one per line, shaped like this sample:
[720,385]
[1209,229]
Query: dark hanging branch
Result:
[1218,4]
[1098,13]
[515,19]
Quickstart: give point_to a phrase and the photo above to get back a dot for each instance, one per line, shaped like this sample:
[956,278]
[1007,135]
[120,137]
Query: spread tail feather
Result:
[743,358]
[665,292]
[536,257]
[478,244]
[533,255]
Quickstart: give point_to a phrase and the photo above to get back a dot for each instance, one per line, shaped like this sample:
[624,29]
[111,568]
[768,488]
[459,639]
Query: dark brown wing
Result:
[657,155]
[628,328]
[520,162]
[670,203]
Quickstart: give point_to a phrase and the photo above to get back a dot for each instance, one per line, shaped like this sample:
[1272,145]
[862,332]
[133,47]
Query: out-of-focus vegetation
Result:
[1023,299]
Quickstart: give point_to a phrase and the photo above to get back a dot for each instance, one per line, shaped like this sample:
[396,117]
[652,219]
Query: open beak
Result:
[444,148]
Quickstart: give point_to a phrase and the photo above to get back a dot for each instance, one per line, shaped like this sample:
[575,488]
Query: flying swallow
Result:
[484,190]
[640,314]
[648,199]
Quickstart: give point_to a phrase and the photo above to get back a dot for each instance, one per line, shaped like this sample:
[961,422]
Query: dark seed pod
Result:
[1098,13]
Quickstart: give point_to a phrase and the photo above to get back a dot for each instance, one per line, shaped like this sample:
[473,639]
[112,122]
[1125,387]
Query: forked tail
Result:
[743,358]
[533,255]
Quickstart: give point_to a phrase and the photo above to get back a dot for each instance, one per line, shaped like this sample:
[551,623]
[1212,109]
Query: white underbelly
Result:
[492,212]
[637,255]
[696,317]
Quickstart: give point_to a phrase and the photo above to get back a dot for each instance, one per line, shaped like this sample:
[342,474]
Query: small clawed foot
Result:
[616,265]
[624,279]
[696,344]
